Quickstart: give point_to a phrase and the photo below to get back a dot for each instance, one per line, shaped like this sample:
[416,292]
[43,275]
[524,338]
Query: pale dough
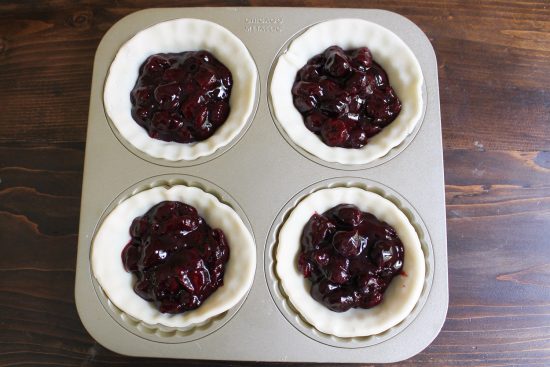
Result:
[113,235]
[400,297]
[178,36]
[387,49]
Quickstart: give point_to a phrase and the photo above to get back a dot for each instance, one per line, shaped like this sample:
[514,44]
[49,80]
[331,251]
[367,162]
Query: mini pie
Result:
[113,236]
[387,49]
[177,36]
[399,298]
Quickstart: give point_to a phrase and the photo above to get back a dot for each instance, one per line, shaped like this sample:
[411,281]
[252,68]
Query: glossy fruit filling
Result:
[181,97]
[179,261]
[345,97]
[350,257]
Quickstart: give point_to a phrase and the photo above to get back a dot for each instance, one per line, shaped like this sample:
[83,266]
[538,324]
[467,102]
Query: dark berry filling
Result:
[345,97]
[350,257]
[181,97]
[178,259]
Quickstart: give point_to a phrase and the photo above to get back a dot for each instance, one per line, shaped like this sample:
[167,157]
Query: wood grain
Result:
[494,68]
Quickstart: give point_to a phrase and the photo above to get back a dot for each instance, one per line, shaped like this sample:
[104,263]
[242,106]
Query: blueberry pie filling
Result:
[178,259]
[345,97]
[350,257]
[181,97]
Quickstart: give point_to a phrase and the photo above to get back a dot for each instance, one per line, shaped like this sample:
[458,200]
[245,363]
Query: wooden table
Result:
[494,70]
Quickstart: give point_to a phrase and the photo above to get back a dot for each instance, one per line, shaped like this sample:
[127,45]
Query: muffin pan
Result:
[262,176]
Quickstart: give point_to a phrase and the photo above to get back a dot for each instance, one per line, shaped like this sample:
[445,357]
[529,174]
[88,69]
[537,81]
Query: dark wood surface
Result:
[494,70]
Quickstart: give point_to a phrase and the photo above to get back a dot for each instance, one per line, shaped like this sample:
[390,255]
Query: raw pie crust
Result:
[387,49]
[118,284]
[400,297]
[177,36]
